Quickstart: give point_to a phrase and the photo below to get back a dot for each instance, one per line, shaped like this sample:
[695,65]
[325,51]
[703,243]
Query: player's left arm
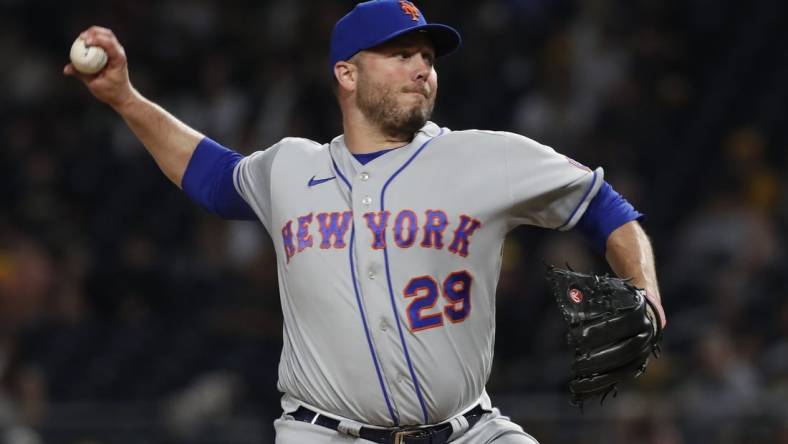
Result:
[630,255]
[612,226]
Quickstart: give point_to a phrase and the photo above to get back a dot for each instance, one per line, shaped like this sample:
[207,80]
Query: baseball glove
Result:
[612,330]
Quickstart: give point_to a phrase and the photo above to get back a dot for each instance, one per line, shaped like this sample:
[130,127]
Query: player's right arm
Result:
[193,162]
[170,141]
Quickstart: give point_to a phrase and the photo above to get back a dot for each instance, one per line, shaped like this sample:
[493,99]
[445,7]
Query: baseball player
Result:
[388,237]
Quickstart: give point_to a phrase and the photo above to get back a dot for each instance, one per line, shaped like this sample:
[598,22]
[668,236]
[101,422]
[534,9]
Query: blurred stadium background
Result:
[129,315]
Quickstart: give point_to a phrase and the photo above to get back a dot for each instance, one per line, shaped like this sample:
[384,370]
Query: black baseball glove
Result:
[612,330]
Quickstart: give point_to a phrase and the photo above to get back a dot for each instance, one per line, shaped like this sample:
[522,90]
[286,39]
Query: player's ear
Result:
[346,74]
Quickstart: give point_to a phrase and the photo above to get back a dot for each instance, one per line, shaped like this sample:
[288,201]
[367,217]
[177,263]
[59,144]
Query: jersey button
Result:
[364,176]
[383,325]
[367,200]
[371,274]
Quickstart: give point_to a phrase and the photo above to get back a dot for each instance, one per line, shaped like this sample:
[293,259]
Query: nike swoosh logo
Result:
[313,181]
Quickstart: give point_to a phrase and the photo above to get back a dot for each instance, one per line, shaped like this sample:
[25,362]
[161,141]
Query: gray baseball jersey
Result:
[388,270]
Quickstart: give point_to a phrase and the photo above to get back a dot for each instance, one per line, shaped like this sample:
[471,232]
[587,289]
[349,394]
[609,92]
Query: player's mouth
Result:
[421,92]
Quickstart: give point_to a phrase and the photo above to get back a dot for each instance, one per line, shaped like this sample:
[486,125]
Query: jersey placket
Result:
[366,183]
[377,294]
[417,145]
[366,267]
[373,287]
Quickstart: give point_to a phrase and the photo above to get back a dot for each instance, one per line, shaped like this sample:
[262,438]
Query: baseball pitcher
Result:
[388,237]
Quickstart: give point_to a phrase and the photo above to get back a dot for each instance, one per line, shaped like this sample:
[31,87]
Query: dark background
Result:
[129,315]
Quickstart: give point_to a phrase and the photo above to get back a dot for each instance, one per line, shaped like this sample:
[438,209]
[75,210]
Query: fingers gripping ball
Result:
[612,330]
[87,59]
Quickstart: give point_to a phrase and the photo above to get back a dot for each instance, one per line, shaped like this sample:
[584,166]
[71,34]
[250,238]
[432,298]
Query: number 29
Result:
[456,289]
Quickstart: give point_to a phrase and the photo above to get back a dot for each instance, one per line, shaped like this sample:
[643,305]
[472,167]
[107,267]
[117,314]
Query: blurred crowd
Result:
[119,298]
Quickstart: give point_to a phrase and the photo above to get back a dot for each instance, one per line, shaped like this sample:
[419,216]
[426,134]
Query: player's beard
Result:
[378,103]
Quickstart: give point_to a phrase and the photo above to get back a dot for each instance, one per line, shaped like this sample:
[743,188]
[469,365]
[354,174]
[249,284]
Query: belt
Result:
[437,434]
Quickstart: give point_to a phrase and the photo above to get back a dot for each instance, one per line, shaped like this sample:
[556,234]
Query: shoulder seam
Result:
[480,131]
[300,139]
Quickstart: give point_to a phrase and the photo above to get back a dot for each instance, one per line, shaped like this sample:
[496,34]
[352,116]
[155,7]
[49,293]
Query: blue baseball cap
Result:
[377,21]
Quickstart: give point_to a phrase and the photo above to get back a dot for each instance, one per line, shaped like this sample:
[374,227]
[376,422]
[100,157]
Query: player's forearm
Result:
[630,255]
[170,141]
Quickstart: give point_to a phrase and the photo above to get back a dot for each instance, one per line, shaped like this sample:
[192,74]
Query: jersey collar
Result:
[350,166]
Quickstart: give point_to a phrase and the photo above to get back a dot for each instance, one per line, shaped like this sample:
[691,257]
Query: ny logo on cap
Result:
[410,9]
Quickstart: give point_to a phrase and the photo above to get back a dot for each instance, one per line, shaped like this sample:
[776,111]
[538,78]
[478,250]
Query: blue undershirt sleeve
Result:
[607,211]
[208,180]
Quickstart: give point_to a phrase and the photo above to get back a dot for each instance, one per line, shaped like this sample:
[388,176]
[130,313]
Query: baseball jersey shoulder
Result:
[500,138]
[300,143]
[252,175]
[488,139]
[486,146]
[545,188]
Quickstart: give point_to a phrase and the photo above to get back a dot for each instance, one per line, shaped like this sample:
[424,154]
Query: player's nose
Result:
[422,67]
[421,73]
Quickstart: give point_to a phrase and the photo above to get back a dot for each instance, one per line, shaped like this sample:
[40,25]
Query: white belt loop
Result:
[459,426]
[349,428]
[314,420]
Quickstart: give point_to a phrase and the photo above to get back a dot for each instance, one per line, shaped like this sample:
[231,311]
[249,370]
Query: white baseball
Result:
[87,59]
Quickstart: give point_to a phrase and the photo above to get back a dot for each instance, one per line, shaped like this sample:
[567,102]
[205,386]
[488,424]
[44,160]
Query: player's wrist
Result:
[655,304]
[653,317]
[126,101]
